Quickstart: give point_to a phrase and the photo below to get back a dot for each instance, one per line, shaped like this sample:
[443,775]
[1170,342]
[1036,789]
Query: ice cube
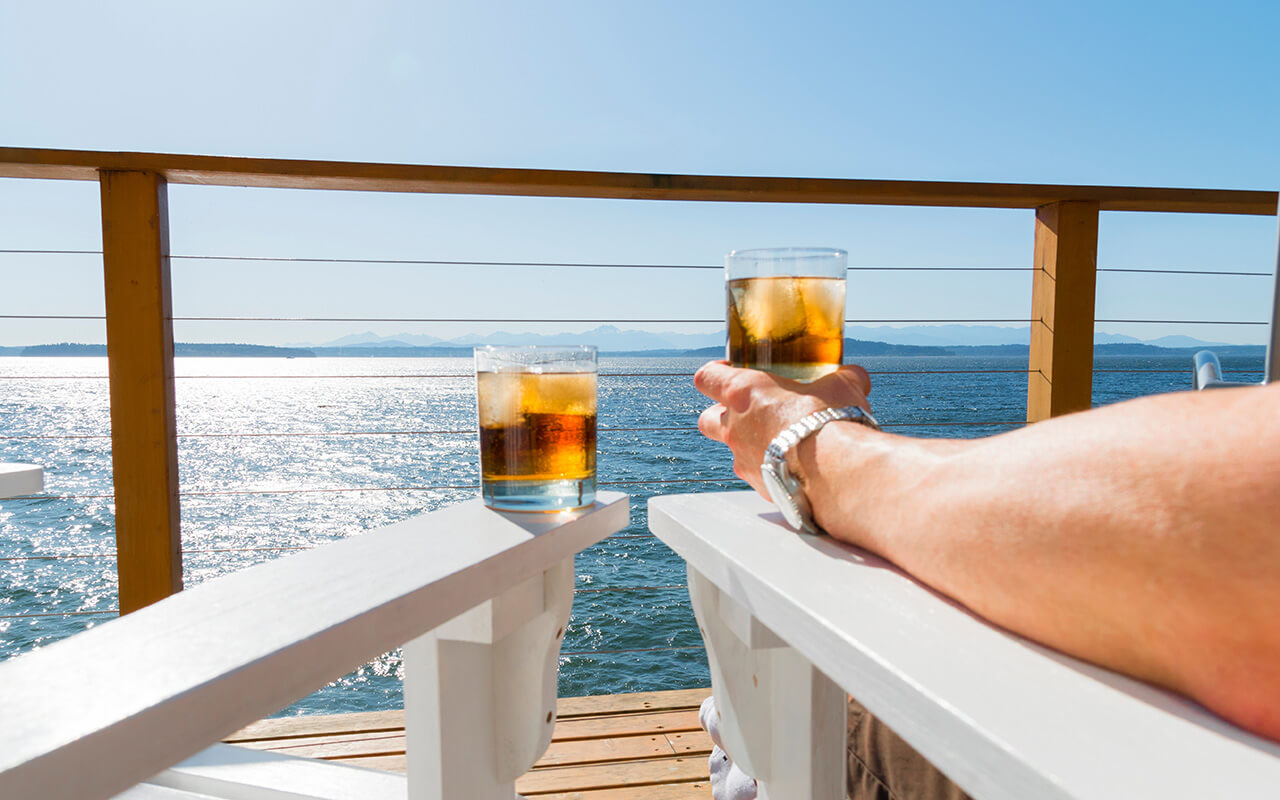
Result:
[558,393]
[823,300]
[499,398]
[770,308]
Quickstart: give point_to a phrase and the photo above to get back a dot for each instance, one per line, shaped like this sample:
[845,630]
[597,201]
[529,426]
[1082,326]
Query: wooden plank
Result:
[144,444]
[202,664]
[612,776]
[280,734]
[592,751]
[338,746]
[577,751]
[1060,380]
[649,707]
[18,162]
[591,705]
[698,741]
[388,763]
[319,725]
[626,724]
[1003,717]
[698,790]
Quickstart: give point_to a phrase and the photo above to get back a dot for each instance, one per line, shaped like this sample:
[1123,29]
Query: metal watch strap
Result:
[784,488]
[796,432]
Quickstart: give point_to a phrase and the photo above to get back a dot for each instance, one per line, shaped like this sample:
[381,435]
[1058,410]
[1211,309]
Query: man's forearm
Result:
[1144,536]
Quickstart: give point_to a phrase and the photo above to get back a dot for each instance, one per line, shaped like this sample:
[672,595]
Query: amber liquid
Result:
[537,440]
[541,447]
[792,327]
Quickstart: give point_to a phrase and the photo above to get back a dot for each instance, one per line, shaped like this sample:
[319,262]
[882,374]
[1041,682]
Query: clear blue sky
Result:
[1149,93]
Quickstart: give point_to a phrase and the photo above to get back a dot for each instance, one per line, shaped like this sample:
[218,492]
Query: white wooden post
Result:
[480,691]
[782,720]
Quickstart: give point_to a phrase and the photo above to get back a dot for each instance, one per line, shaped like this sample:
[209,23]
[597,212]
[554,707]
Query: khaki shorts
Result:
[884,767]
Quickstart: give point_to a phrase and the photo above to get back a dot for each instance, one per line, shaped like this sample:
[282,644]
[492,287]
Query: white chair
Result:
[479,600]
[792,623]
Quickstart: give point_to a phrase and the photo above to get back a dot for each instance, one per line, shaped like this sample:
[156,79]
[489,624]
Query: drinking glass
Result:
[785,309]
[537,415]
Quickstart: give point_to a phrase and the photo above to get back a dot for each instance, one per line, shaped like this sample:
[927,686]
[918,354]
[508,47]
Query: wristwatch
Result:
[784,488]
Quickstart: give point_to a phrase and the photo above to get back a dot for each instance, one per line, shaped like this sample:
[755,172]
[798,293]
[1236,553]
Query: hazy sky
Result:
[1147,93]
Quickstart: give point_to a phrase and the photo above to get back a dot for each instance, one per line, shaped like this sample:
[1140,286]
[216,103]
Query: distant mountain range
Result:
[399,349]
[610,338]
[605,337]
[224,350]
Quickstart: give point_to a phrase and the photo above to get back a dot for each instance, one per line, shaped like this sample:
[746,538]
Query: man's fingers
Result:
[712,422]
[712,379]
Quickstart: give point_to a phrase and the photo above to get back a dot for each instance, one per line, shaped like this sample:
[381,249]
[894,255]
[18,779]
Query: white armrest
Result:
[1003,717]
[94,714]
[17,479]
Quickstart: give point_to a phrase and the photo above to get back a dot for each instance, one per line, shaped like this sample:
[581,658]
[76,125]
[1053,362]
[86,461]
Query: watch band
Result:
[784,488]
[798,431]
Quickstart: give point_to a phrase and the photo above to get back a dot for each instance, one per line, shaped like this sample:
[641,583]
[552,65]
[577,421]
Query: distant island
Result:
[852,347]
[179,349]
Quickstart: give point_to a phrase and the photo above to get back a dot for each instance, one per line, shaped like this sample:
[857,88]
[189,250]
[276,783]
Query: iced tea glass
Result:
[785,309]
[537,415]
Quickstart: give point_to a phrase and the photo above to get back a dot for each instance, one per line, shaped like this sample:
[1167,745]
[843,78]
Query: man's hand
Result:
[752,407]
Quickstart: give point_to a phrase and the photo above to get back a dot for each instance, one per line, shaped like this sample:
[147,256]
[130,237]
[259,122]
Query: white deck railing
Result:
[792,623]
[19,479]
[480,598]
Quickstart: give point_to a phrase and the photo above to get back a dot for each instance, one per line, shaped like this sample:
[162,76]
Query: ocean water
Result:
[290,453]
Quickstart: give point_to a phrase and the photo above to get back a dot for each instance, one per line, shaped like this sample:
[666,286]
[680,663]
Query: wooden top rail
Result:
[91,715]
[1000,715]
[18,162]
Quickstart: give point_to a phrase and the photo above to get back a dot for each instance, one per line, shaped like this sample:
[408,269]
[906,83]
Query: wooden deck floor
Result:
[611,747]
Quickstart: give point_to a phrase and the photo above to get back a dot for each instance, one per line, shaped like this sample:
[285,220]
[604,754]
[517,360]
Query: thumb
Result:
[847,377]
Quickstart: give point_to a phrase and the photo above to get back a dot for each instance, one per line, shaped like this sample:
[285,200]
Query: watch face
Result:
[780,496]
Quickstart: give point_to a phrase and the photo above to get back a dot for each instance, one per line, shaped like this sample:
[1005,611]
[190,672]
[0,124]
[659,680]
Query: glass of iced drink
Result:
[537,414]
[785,310]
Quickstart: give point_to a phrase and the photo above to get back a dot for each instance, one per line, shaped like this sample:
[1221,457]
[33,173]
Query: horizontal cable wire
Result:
[601,265]
[617,320]
[10,251]
[59,614]
[1184,321]
[460,432]
[602,375]
[51,316]
[718,320]
[343,490]
[44,614]
[187,550]
[629,650]
[1185,271]
[471,375]
[631,588]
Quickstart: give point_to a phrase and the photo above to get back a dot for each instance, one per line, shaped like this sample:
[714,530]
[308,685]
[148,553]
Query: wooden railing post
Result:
[1062,309]
[144,445]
